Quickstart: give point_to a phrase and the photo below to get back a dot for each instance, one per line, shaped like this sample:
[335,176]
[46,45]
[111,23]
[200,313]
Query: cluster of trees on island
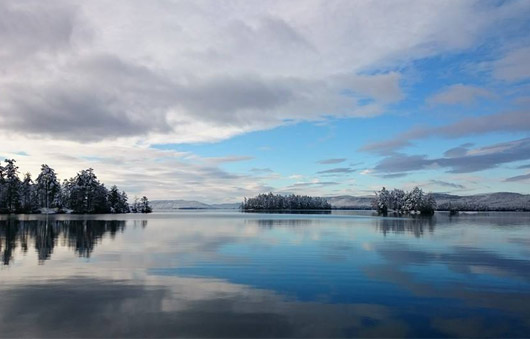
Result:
[83,193]
[270,202]
[402,202]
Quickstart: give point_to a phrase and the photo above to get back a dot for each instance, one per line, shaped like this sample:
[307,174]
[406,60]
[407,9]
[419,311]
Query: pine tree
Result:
[272,201]
[12,186]
[83,193]
[400,202]
[3,209]
[47,186]
[28,196]
[123,206]
[144,205]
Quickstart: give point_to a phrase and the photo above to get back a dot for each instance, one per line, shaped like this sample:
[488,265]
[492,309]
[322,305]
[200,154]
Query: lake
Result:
[232,274]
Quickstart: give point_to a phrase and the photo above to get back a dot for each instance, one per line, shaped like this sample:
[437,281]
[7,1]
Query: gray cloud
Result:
[458,151]
[476,160]
[62,78]
[232,158]
[331,161]
[34,27]
[337,170]
[394,175]
[518,178]
[460,94]
[447,184]
[514,66]
[516,121]
[102,97]
[301,185]
[88,72]
[261,170]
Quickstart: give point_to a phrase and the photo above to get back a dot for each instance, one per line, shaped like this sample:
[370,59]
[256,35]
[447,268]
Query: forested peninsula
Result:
[83,193]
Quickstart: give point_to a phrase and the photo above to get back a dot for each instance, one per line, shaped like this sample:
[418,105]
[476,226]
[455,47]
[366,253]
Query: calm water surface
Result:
[229,274]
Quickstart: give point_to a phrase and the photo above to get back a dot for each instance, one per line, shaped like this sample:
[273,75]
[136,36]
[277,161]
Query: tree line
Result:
[83,193]
[272,201]
[402,202]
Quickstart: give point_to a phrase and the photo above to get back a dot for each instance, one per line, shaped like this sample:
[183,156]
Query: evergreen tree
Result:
[11,186]
[123,206]
[144,205]
[86,194]
[3,209]
[114,199]
[47,187]
[383,201]
[401,202]
[83,193]
[272,201]
[28,196]
[135,206]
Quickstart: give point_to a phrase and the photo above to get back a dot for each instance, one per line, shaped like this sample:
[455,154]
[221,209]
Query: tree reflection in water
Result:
[80,235]
[416,225]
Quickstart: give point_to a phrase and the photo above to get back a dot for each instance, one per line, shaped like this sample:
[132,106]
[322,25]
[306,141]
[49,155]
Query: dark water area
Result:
[231,274]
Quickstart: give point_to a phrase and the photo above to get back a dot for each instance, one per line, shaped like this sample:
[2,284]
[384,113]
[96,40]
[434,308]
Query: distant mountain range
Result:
[487,201]
[167,205]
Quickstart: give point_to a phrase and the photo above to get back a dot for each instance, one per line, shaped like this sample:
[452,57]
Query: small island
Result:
[278,202]
[82,194]
[402,202]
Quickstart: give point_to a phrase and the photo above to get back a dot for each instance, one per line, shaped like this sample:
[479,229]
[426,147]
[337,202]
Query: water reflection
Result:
[271,223]
[252,275]
[80,235]
[412,225]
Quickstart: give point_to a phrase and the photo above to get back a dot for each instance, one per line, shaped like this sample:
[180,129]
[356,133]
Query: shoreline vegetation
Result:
[278,202]
[82,194]
[396,201]
[401,202]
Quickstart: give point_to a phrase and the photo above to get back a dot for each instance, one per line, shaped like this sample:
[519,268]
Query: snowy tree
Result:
[413,200]
[28,195]
[86,194]
[144,205]
[47,186]
[11,184]
[397,198]
[401,202]
[117,200]
[428,204]
[83,193]
[123,206]
[135,206]
[272,201]
[114,198]
[2,190]
[383,201]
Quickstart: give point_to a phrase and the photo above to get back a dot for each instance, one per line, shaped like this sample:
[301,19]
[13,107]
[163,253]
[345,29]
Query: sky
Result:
[217,100]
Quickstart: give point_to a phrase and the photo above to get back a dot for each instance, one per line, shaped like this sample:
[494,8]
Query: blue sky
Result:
[313,97]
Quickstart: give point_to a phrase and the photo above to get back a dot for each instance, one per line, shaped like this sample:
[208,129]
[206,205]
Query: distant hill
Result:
[487,201]
[350,201]
[168,205]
